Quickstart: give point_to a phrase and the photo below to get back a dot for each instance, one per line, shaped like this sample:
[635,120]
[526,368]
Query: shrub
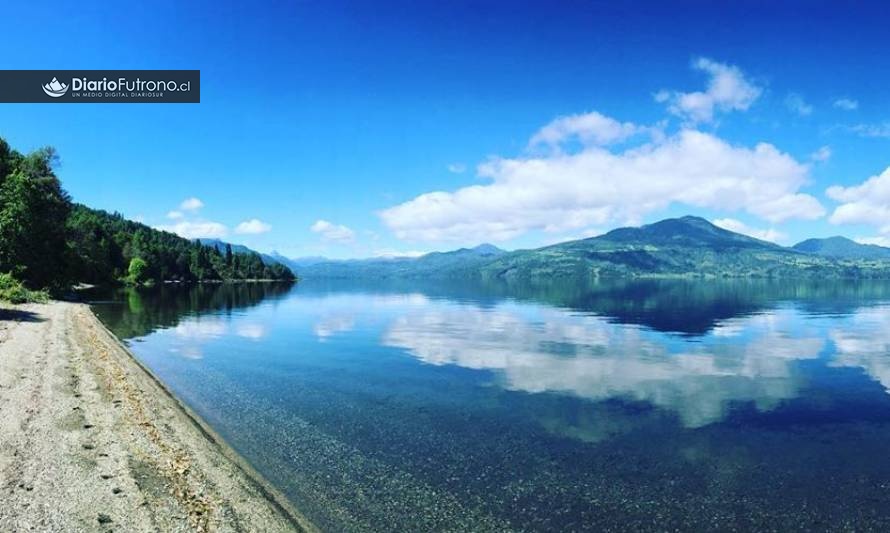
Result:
[12,290]
[137,271]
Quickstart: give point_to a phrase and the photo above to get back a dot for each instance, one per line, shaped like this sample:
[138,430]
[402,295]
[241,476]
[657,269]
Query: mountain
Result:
[679,247]
[685,231]
[297,263]
[842,247]
[464,262]
[687,247]
[483,249]
[268,259]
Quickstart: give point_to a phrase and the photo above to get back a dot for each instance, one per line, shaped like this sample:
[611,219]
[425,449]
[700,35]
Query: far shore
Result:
[232,281]
[91,440]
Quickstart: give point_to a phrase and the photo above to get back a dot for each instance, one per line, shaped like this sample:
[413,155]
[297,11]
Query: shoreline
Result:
[79,412]
[264,487]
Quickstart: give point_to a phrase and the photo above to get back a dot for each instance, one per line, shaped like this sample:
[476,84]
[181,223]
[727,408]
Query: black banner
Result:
[100,86]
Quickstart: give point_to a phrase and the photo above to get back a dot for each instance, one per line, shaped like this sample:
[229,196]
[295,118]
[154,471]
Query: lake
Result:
[622,405]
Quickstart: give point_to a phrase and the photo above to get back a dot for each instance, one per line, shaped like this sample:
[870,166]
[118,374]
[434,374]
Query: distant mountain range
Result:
[678,247]
[465,262]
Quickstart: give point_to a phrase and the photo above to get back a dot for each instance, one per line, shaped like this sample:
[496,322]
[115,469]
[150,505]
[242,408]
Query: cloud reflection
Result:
[191,335]
[331,325]
[548,350]
[337,313]
[864,342]
[251,331]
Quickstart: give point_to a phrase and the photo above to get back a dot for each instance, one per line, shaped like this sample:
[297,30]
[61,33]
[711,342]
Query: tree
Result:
[48,242]
[137,271]
[33,214]
[7,157]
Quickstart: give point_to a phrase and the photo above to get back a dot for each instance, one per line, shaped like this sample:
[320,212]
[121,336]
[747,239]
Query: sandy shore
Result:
[90,441]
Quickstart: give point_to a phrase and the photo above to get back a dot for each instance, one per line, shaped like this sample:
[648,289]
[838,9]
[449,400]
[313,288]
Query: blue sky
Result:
[324,127]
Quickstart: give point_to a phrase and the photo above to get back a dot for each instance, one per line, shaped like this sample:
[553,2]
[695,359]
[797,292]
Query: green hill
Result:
[842,247]
[684,247]
[679,232]
[681,247]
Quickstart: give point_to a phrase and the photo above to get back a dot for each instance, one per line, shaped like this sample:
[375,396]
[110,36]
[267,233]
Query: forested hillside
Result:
[47,241]
[224,247]
[104,245]
[681,247]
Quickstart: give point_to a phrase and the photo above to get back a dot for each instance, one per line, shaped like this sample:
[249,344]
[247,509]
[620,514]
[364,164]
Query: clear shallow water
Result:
[628,406]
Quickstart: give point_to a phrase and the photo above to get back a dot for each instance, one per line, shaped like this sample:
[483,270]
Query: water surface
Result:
[612,405]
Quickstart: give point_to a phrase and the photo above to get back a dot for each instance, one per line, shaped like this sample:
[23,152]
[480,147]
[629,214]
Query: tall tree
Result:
[33,212]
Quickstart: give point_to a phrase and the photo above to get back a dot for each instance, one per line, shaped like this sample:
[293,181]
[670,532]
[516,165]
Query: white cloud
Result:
[880,241]
[728,90]
[457,168]
[196,229]
[252,227]
[731,224]
[866,203]
[333,232]
[389,253]
[594,186]
[589,129]
[187,224]
[796,103]
[822,154]
[846,104]
[191,204]
[872,130]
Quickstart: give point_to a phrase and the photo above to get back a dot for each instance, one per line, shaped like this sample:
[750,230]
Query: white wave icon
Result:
[55,88]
